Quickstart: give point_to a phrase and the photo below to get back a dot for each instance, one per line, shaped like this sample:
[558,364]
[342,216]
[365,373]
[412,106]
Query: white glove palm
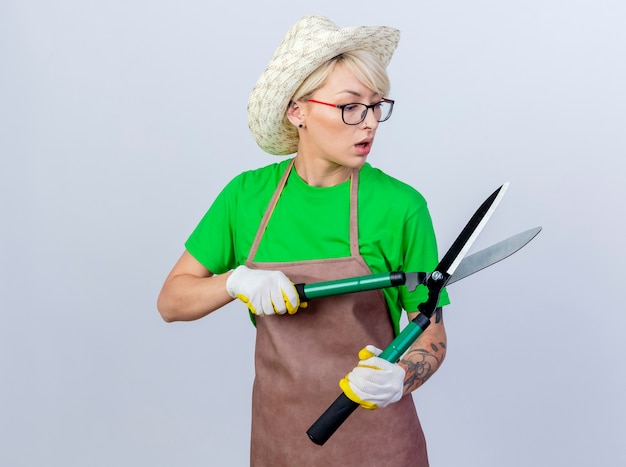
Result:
[374,382]
[264,292]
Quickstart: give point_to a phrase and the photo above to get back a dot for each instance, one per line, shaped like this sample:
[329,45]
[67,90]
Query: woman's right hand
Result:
[264,292]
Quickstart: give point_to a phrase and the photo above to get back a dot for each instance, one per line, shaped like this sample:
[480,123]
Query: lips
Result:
[364,143]
[363,147]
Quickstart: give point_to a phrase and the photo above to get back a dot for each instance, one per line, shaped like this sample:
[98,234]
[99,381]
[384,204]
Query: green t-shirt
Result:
[308,223]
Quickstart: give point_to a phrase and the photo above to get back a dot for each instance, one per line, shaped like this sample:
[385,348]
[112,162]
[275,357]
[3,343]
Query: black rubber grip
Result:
[301,294]
[335,415]
[397,278]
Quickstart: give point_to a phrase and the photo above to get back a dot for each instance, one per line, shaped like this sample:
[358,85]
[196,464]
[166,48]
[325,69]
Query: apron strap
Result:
[354,218]
[354,226]
[268,213]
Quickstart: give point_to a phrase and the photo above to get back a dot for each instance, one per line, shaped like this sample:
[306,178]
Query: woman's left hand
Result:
[374,382]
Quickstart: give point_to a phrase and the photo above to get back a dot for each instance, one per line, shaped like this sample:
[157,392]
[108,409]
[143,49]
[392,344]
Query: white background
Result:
[120,122]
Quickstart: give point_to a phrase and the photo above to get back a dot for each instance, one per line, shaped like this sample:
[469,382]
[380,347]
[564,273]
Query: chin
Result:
[356,162]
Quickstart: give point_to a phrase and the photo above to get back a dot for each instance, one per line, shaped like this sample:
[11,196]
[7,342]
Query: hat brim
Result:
[312,41]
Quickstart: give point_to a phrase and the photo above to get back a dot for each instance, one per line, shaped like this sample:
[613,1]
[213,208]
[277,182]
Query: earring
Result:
[301,126]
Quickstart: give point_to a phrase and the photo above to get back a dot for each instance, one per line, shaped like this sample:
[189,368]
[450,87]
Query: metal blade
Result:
[479,260]
[451,260]
[468,235]
[491,255]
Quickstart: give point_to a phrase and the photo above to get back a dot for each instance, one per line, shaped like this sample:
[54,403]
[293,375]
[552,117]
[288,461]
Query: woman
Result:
[324,214]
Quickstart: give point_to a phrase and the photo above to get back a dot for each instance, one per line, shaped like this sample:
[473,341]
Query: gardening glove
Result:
[264,292]
[374,382]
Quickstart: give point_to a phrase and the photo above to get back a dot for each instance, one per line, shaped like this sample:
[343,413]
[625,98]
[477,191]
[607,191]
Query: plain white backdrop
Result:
[121,121]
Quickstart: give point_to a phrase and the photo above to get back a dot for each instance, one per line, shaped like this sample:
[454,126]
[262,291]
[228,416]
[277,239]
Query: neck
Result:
[321,173]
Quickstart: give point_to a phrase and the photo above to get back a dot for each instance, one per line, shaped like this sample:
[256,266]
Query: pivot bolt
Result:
[436,276]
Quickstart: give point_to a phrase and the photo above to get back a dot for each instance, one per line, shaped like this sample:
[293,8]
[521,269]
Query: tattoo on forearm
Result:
[422,364]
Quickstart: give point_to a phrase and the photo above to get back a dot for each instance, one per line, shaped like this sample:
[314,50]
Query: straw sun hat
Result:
[309,43]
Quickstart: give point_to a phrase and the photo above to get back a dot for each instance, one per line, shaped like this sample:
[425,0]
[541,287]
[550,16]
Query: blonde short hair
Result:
[363,64]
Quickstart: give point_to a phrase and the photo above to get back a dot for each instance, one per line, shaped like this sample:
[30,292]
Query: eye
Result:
[351,107]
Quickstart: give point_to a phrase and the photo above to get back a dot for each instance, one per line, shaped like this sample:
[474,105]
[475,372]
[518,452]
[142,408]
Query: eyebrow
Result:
[356,94]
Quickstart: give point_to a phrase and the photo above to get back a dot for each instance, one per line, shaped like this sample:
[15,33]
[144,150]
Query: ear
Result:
[294,114]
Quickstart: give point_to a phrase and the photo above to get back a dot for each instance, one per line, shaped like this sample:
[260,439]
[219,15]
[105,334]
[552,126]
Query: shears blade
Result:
[453,257]
[493,254]
[479,260]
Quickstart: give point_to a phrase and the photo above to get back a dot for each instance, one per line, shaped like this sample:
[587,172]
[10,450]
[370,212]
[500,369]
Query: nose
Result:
[370,120]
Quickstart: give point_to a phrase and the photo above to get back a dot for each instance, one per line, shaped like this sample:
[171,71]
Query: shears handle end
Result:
[337,413]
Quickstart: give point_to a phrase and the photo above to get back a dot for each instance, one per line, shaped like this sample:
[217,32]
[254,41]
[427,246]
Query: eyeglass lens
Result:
[353,114]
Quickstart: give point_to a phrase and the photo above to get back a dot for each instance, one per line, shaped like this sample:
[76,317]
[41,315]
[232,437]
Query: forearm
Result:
[186,297]
[424,357]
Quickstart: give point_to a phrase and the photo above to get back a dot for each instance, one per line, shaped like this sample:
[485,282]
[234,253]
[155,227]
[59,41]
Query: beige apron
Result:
[300,358]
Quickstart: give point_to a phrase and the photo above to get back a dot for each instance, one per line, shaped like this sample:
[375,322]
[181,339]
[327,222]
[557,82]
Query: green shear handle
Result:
[350,285]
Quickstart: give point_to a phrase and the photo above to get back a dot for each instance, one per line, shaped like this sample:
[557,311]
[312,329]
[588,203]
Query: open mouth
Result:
[363,148]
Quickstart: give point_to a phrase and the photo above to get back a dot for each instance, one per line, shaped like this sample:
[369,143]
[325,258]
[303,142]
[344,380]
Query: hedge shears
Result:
[453,266]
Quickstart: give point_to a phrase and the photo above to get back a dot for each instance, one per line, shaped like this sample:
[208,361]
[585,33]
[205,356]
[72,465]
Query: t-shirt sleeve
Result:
[212,241]
[421,255]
